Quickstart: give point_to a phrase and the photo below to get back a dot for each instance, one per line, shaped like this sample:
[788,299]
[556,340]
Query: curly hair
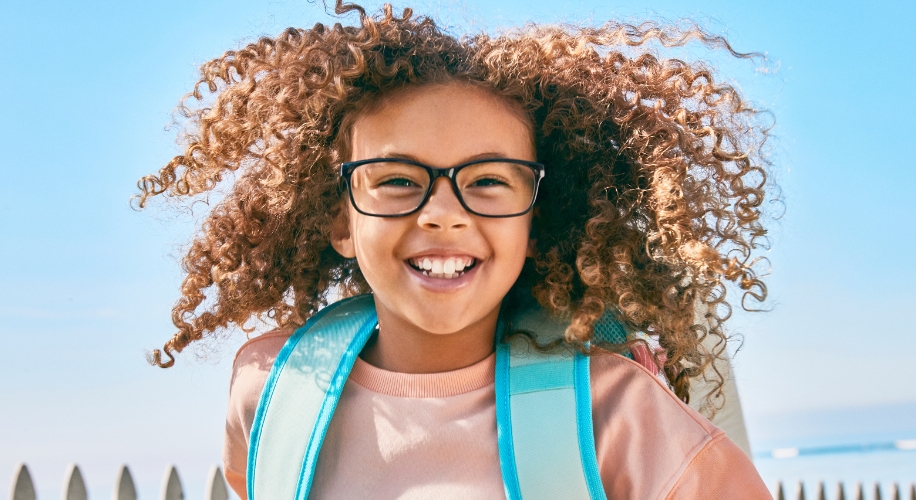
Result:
[651,207]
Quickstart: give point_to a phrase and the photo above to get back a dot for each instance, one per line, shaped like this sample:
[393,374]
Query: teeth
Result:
[449,268]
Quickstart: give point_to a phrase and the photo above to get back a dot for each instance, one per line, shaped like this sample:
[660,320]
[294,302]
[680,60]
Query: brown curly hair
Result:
[651,204]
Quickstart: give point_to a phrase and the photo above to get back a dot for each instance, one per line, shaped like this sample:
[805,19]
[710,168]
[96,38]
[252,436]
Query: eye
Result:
[398,182]
[488,182]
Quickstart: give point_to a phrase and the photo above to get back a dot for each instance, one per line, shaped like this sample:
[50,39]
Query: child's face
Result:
[440,126]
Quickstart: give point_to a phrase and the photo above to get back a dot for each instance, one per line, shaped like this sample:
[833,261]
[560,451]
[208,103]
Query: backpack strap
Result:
[303,389]
[544,416]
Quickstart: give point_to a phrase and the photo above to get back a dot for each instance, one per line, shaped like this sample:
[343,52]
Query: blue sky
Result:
[87,284]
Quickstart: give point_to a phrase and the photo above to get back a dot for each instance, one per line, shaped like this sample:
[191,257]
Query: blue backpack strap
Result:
[307,377]
[544,417]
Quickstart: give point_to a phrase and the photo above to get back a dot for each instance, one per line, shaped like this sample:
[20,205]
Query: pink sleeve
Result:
[651,445]
[720,470]
[249,373]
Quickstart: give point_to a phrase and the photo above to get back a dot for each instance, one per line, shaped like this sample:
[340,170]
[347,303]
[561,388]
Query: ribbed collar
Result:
[424,385]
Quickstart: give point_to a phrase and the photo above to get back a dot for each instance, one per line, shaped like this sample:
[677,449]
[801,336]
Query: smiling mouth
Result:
[450,268]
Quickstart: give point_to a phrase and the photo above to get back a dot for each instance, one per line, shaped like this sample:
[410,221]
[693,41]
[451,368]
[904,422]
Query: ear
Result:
[341,238]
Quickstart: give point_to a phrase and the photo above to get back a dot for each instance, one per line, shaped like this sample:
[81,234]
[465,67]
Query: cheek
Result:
[374,240]
[513,240]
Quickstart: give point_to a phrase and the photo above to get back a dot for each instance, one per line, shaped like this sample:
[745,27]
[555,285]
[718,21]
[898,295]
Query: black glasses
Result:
[394,187]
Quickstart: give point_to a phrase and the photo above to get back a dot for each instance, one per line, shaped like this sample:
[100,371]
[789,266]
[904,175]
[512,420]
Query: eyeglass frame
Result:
[347,168]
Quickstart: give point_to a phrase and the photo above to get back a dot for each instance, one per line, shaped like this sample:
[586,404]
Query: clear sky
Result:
[87,284]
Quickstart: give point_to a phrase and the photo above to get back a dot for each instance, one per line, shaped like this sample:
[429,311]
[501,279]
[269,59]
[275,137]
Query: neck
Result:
[402,347]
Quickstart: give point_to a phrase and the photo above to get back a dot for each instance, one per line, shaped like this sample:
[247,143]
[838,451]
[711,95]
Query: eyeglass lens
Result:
[487,188]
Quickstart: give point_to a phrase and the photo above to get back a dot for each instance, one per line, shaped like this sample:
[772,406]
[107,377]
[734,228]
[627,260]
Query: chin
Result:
[439,325]
[442,328]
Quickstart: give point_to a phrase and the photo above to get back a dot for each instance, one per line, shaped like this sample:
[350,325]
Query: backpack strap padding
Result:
[308,377]
[544,426]
[544,416]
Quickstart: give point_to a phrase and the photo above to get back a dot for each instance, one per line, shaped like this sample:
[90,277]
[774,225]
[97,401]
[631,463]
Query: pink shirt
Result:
[411,436]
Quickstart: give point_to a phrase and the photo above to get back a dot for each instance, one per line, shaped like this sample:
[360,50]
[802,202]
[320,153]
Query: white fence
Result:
[75,488]
[124,489]
[857,492]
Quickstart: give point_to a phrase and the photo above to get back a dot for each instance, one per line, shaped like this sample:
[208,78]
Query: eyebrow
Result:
[479,156]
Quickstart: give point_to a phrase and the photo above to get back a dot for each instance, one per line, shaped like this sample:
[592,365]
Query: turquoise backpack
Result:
[543,407]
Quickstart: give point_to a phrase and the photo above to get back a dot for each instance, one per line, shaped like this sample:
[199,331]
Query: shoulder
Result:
[263,348]
[621,386]
[250,370]
[652,445]
[252,365]
[254,360]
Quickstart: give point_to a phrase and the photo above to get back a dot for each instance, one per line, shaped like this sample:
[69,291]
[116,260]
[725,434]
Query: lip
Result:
[442,253]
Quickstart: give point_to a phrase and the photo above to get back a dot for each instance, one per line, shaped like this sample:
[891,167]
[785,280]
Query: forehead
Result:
[442,125]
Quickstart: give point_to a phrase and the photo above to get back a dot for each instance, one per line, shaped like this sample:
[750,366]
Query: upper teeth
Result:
[442,268]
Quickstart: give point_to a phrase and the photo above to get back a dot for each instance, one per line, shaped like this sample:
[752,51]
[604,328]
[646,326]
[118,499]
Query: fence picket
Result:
[74,486]
[860,493]
[22,489]
[124,486]
[171,485]
[840,491]
[877,491]
[912,491]
[895,492]
[780,493]
[800,491]
[216,485]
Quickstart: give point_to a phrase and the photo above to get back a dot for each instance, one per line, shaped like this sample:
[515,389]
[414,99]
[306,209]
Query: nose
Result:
[443,210]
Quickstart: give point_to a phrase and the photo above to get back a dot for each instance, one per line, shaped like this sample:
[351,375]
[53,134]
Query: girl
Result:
[461,183]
